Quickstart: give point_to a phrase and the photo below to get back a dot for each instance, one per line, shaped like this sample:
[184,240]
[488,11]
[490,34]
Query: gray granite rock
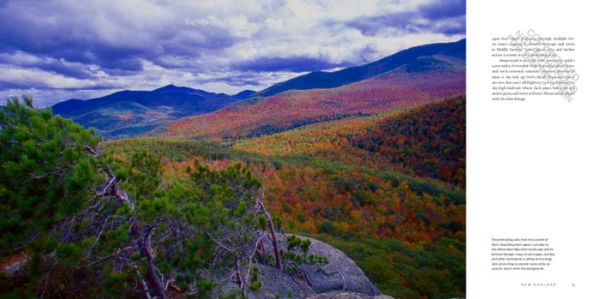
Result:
[346,295]
[341,277]
[341,273]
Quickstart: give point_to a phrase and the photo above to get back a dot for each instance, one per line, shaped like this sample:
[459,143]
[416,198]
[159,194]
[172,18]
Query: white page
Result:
[533,165]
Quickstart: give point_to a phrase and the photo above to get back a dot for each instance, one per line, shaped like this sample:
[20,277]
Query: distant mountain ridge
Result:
[163,96]
[128,113]
[419,74]
[244,94]
[354,74]
[409,78]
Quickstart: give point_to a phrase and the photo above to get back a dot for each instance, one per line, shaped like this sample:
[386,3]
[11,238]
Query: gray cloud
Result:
[445,17]
[75,70]
[441,9]
[296,64]
[61,47]
[109,39]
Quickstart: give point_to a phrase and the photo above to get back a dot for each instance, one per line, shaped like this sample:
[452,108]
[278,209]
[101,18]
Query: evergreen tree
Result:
[85,222]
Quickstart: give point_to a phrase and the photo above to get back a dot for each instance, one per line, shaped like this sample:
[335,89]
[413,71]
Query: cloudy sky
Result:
[54,50]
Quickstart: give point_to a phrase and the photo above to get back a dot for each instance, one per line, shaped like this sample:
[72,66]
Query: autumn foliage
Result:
[393,180]
[294,108]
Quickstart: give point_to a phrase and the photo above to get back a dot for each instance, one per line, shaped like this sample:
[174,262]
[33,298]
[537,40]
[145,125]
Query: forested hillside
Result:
[408,78]
[294,108]
[407,232]
[413,58]
[428,141]
[243,196]
[131,113]
[151,215]
[79,221]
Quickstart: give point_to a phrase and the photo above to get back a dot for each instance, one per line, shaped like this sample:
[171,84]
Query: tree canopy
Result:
[85,222]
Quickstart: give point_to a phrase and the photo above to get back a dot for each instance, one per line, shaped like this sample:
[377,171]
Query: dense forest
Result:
[404,226]
[83,221]
[295,108]
[428,141]
[157,217]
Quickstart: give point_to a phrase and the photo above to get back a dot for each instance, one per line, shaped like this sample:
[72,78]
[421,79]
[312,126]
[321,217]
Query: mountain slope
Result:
[354,74]
[428,141]
[244,94]
[406,232]
[418,80]
[127,113]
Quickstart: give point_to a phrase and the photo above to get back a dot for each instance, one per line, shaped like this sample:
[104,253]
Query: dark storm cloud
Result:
[441,9]
[24,85]
[68,34]
[290,64]
[13,85]
[61,46]
[446,17]
[75,70]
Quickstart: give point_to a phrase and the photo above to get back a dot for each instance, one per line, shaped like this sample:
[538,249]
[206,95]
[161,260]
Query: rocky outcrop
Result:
[341,273]
[347,295]
[340,278]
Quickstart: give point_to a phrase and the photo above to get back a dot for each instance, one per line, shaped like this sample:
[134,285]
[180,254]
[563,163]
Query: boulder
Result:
[340,278]
[347,295]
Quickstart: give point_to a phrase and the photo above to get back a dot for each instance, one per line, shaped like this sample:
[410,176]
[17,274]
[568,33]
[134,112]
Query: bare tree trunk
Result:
[145,248]
[238,274]
[152,284]
[275,243]
[271,230]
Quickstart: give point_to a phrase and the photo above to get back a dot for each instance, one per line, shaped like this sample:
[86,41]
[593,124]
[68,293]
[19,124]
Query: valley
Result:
[369,159]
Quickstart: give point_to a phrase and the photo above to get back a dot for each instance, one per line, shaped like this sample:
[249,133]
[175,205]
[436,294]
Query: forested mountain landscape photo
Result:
[279,149]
